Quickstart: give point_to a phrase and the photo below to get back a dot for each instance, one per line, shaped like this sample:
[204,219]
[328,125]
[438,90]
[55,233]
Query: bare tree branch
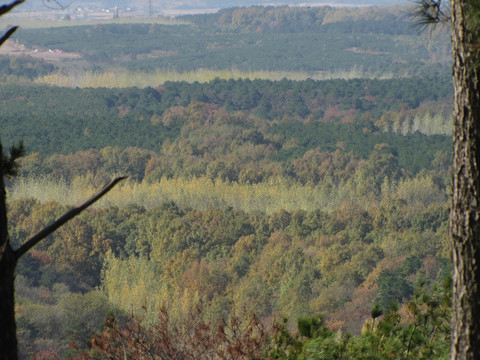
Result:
[66,217]
[57,5]
[3,10]
[8,34]
[6,8]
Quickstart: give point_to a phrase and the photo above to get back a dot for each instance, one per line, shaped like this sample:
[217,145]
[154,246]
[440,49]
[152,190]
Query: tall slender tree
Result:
[464,19]
[465,212]
[8,339]
[8,336]
[9,256]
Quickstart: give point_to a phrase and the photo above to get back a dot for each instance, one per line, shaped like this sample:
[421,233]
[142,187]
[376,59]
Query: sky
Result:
[196,6]
[238,3]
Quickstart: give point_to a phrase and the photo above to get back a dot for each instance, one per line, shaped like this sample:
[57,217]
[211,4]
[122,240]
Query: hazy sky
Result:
[230,3]
[192,6]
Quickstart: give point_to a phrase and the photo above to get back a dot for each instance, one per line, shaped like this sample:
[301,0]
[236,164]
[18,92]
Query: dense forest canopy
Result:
[307,205]
[356,113]
[309,39]
[283,198]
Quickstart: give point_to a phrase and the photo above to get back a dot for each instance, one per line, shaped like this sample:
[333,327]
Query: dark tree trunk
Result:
[8,260]
[8,336]
[465,214]
[9,257]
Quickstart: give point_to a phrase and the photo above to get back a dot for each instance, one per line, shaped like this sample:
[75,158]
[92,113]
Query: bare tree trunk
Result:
[8,337]
[8,257]
[465,214]
[8,261]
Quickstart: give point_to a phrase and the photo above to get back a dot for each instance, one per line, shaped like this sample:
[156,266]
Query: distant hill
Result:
[316,40]
[195,4]
[158,6]
[229,3]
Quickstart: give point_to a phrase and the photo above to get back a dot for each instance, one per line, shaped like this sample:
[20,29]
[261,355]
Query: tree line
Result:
[227,128]
[256,38]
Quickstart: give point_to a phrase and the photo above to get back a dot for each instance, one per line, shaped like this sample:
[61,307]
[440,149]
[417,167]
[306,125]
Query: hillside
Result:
[314,41]
[215,4]
[285,198]
[321,201]
[288,118]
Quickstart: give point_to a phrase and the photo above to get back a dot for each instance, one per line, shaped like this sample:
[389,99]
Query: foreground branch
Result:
[430,13]
[66,217]
[7,35]
[3,10]
[6,8]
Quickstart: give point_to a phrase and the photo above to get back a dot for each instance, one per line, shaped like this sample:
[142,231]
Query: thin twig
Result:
[66,217]
[58,6]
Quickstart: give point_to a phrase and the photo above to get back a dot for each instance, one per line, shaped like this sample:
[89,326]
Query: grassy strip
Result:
[197,193]
[123,79]
[203,194]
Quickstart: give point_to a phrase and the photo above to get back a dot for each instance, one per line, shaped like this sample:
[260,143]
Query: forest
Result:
[282,219]
[304,39]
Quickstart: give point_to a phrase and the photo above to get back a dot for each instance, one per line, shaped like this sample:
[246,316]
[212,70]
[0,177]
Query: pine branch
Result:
[430,13]
[10,164]
[66,217]
[7,35]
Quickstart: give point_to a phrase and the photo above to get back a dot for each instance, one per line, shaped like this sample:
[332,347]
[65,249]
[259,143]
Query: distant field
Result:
[45,20]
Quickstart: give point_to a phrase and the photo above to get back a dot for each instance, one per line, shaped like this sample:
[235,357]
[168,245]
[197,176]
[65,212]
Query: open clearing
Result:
[13,48]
